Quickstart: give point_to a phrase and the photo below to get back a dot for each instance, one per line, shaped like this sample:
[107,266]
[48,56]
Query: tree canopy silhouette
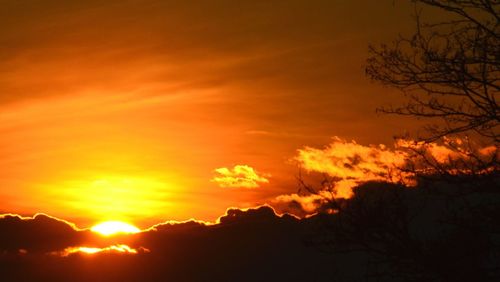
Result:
[446,227]
[449,70]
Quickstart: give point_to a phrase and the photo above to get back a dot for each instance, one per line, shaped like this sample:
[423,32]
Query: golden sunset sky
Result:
[146,111]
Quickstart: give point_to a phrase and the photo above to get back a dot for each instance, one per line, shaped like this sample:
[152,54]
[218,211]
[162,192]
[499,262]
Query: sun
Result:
[108,228]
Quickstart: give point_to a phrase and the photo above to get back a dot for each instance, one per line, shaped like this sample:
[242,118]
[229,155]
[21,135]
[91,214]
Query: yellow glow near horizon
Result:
[109,228]
[114,197]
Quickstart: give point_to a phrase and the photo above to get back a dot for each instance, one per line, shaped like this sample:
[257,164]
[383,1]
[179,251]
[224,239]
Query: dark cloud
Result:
[43,234]
[401,224]
[39,234]
[245,245]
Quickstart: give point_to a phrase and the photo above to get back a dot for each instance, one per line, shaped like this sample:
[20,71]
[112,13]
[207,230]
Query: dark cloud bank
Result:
[252,245]
[385,232]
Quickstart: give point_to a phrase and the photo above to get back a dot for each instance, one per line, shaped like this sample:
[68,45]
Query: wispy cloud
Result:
[240,176]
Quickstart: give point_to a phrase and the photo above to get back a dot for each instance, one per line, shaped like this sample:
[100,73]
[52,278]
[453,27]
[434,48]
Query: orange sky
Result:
[124,110]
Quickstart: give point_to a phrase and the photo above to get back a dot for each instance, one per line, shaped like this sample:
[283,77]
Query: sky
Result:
[146,111]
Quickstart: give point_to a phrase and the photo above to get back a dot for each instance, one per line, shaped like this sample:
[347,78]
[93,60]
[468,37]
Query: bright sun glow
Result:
[114,227]
[114,196]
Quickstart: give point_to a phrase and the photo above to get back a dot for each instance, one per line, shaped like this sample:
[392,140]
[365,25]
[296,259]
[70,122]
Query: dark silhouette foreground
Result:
[385,232]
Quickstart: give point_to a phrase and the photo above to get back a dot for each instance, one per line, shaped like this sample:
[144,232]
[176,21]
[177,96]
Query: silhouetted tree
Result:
[408,234]
[447,227]
[449,70]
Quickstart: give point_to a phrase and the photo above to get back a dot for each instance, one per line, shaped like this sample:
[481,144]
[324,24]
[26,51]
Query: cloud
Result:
[262,214]
[47,235]
[254,244]
[303,205]
[350,160]
[451,149]
[243,245]
[240,176]
[350,163]
[38,234]
[44,234]
[120,248]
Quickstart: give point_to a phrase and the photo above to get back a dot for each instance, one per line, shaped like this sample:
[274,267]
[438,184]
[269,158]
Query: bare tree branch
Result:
[450,70]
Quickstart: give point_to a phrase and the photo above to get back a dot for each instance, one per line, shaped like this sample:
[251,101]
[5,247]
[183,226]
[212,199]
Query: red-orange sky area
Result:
[147,111]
